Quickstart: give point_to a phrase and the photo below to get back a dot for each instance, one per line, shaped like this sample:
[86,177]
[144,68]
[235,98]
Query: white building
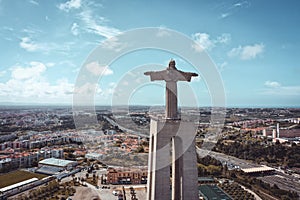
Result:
[60,163]
[95,156]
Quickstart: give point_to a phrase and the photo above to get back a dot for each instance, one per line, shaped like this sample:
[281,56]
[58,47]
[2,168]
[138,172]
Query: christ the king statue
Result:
[171,75]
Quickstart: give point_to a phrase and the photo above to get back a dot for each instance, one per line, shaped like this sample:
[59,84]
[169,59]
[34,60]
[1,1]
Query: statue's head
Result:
[172,64]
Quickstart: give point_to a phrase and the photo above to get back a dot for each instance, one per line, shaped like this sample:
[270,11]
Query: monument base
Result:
[176,137]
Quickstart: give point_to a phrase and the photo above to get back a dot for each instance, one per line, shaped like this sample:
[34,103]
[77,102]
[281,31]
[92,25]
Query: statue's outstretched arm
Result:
[158,75]
[186,76]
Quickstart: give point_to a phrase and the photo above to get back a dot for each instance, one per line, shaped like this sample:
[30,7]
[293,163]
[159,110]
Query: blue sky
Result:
[254,44]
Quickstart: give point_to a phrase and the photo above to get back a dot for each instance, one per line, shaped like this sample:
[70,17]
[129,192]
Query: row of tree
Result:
[276,154]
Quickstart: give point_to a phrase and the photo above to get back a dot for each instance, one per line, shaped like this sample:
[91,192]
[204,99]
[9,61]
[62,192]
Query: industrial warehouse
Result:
[53,166]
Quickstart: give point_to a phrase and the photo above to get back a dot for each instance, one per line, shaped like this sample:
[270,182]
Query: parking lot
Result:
[105,192]
[283,181]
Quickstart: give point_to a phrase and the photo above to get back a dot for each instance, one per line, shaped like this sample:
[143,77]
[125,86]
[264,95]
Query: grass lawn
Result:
[17,176]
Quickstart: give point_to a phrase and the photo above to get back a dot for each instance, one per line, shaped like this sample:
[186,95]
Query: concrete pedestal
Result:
[172,146]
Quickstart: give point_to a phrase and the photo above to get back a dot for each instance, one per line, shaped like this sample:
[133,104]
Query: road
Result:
[280,178]
[232,162]
[126,130]
[250,191]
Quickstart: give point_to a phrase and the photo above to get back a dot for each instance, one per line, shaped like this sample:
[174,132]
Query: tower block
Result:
[172,167]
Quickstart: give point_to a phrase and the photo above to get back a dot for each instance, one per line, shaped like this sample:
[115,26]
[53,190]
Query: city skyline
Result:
[254,45]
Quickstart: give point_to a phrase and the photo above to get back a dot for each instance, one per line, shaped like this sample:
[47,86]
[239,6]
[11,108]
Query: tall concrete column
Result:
[190,173]
[160,164]
[171,100]
[176,136]
[150,168]
[177,169]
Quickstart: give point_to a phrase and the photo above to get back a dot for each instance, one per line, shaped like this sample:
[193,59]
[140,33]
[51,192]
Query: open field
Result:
[17,176]
[139,159]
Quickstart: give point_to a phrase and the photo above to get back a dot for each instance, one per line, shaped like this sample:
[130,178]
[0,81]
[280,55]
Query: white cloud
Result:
[204,42]
[98,70]
[35,70]
[162,32]
[91,22]
[7,28]
[28,45]
[34,2]
[92,90]
[75,29]
[50,64]
[230,9]
[28,84]
[203,39]
[224,15]
[31,32]
[242,4]
[67,63]
[273,84]
[3,73]
[293,90]
[225,38]
[247,52]
[93,26]
[277,89]
[88,89]
[113,44]
[222,66]
[72,4]
[250,52]
[235,51]
[284,91]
